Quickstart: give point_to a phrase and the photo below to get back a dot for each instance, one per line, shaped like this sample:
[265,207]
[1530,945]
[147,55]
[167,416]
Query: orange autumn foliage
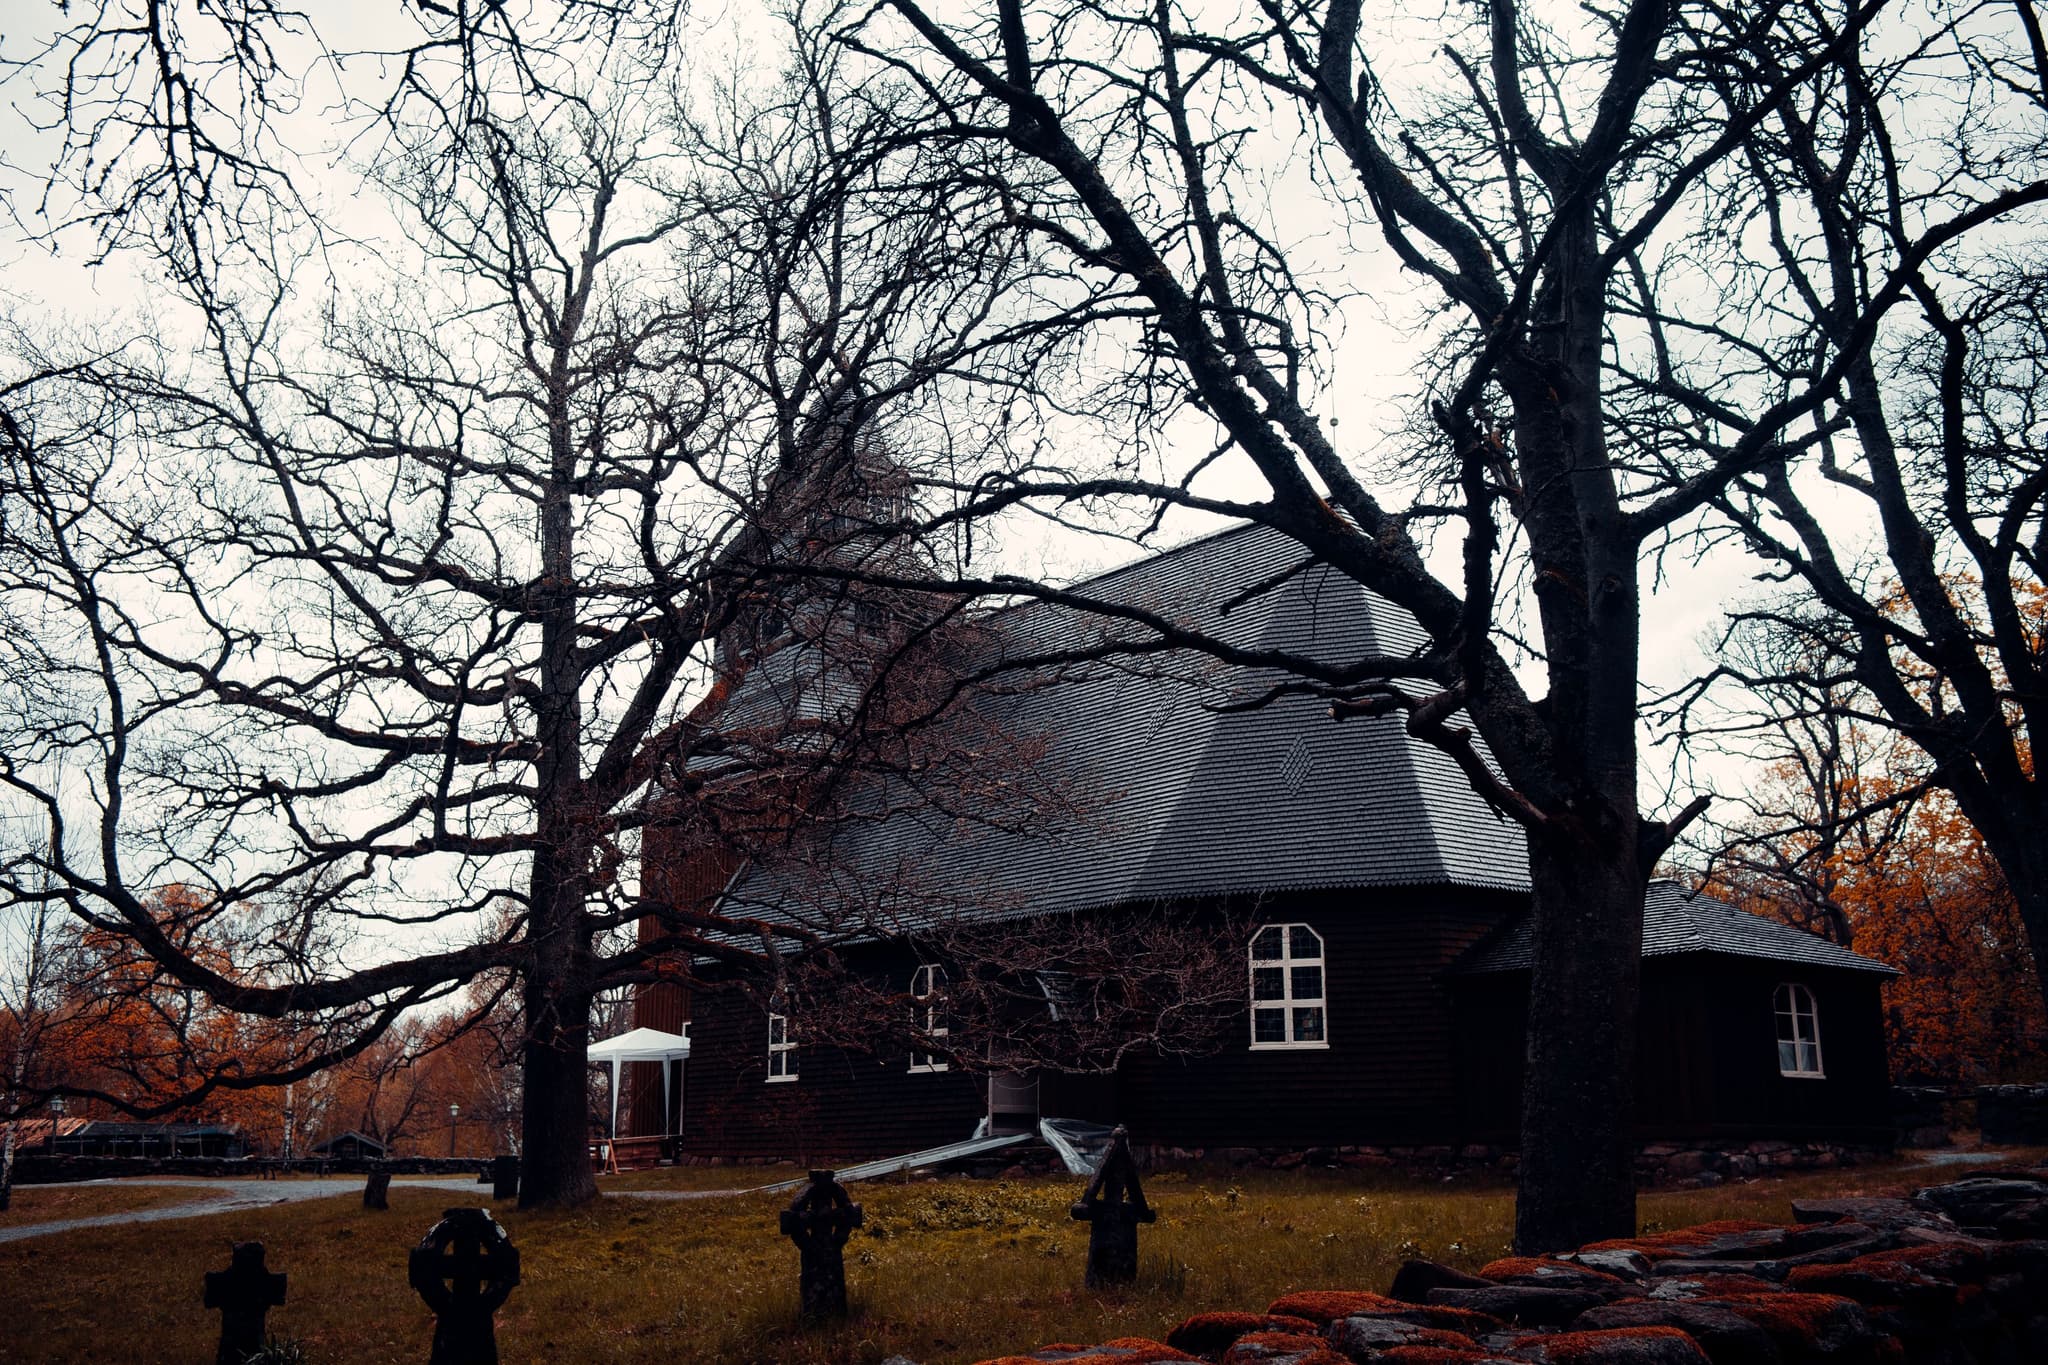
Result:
[126,1030]
[1928,899]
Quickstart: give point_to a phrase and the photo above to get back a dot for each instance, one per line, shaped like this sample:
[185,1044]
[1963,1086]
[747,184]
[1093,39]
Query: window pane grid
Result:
[928,1016]
[1798,1031]
[1288,1004]
[781,1049]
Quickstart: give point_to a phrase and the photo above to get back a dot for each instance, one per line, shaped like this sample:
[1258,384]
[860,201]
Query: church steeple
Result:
[847,505]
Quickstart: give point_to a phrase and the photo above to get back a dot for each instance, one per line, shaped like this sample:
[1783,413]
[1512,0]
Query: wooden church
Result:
[1379,949]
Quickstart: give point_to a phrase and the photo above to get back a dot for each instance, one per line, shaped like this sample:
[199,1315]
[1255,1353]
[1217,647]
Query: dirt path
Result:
[229,1195]
[213,1196]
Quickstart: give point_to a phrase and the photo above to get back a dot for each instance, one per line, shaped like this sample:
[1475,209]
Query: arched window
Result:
[927,988]
[781,1049]
[1287,987]
[1798,1031]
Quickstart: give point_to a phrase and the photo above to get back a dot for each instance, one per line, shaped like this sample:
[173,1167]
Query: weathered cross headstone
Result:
[465,1268]
[504,1177]
[377,1189]
[244,1293]
[1113,1205]
[819,1221]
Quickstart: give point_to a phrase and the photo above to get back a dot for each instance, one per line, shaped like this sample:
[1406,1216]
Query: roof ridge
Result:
[1239,527]
[1695,935]
[1407,755]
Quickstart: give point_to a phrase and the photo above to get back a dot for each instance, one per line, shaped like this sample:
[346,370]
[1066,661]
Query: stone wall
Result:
[1920,1115]
[2015,1115]
[1957,1275]
[40,1169]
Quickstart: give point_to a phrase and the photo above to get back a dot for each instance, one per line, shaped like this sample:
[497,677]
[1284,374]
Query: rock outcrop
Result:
[1956,1275]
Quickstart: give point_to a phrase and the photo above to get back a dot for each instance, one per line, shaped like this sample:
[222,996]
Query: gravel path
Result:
[227,1196]
[231,1195]
[211,1196]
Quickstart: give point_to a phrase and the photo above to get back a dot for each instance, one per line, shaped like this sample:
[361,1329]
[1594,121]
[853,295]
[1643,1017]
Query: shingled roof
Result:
[1677,921]
[1158,790]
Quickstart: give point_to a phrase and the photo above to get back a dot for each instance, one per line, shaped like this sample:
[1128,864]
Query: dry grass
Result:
[48,1204]
[700,1177]
[944,1272]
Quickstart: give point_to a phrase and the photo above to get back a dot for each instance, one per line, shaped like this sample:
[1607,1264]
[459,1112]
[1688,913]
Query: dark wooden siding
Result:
[1852,1098]
[843,1106]
[1707,1057]
[680,874]
[1388,1075]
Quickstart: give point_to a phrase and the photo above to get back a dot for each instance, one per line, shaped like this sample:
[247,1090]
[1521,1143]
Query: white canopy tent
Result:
[641,1045]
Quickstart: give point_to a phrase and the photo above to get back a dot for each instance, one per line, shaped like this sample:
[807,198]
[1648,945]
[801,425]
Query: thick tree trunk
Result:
[1586,867]
[2015,838]
[555,1103]
[1577,1177]
[555,1100]
[2033,907]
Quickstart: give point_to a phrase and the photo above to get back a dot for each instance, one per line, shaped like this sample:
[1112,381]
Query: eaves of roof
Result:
[1677,922]
[1157,782]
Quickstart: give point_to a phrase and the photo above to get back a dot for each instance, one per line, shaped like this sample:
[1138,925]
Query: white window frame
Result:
[927,987]
[781,1049]
[1793,1006]
[1288,1001]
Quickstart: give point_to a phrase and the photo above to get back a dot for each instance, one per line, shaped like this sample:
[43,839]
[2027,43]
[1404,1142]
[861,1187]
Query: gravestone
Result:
[504,1174]
[1113,1205]
[819,1221]
[377,1189]
[464,1268]
[244,1293]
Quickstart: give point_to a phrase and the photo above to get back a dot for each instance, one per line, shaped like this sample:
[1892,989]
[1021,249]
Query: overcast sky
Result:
[50,279]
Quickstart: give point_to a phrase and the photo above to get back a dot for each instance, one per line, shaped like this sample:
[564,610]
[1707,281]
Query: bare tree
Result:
[1833,795]
[1549,180]
[377,635]
[1916,538]
[29,962]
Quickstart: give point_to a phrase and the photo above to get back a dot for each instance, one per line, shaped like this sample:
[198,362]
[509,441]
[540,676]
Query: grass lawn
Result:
[49,1204]
[701,1177]
[944,1272]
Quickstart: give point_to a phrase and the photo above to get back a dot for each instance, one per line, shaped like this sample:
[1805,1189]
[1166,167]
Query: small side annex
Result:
[1748,1029]
[1381,905]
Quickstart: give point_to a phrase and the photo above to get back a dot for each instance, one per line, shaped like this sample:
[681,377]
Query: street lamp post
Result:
[453,1110]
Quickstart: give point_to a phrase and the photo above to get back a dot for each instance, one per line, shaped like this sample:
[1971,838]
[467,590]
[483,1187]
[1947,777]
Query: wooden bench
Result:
[636,1153]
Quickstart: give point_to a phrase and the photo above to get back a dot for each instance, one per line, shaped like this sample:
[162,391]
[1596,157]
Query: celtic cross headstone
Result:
[819,1221]
[464,1268]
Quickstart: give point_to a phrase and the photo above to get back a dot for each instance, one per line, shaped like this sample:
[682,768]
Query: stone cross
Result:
[377,1189]
[1113,1205]
[819,1221]
[465,1268]
[244,1293]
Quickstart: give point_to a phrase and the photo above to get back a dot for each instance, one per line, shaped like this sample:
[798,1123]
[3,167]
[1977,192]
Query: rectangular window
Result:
[1287,988]
[926,985]
[1798,1032]
[781,1049]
